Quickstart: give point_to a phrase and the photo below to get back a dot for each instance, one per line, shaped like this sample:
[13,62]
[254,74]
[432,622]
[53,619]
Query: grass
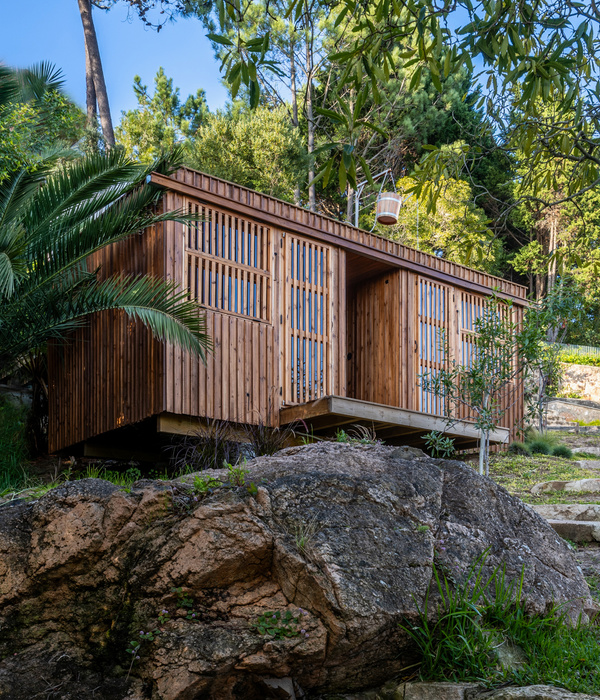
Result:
[476,617]
[518,473]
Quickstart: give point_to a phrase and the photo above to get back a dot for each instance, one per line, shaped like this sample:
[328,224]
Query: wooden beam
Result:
[174,424]
[286,224]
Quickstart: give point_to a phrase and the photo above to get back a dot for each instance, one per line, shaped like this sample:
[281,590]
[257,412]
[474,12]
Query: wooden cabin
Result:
[311,319]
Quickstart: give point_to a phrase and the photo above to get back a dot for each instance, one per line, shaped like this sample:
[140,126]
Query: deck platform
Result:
[394,425]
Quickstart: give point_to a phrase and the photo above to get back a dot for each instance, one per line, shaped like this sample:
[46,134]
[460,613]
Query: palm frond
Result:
[171,317]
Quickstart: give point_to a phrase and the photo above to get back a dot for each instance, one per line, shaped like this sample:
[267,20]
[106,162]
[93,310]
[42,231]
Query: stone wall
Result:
[583,380]
[566,412]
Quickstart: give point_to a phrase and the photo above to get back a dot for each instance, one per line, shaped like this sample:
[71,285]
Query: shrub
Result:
[571,359]
[13,445]
[264,440]
[539,447]
[439,446]
[562,451]
[519,448]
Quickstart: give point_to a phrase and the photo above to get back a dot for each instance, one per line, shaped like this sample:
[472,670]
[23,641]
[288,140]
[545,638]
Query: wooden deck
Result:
[394,425]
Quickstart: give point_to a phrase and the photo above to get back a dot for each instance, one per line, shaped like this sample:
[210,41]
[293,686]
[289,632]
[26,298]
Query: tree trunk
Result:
[312,199]
[294,91]
[91,43]
[90,93]
[481,454]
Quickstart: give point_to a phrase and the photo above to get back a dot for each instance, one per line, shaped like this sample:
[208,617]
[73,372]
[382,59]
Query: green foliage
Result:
[13,446]
[278,625]
[35,117]
[438,445]
[476,616]
[562,451]
[161,120]
[592,360]
[52,221]
[259,150]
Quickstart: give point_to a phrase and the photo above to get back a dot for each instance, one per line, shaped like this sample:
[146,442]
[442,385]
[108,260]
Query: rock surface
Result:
[341,536]
[579,486]
[568,511]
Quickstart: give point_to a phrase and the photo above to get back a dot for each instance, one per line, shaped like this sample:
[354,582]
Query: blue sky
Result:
[37,30]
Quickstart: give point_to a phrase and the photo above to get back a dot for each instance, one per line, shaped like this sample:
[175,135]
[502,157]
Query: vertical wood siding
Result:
[285,327]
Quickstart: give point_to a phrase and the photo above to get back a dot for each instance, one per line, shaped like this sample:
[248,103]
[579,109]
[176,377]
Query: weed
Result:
[206,448]
[134,646]
[124,479]
[439,446]
[476,616]
[519,448]
[304,533]
[237,475]
[183,601]
[278,625]
[422,528]
[539,447]
[357,435]
[204,485]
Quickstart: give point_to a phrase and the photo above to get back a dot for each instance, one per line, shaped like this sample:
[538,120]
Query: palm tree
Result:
[51,221]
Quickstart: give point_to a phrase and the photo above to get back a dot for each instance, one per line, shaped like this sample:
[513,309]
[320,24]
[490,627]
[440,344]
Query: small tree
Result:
[544,328]
[489,381]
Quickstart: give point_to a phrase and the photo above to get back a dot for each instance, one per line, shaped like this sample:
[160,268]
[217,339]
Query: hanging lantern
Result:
[388,208]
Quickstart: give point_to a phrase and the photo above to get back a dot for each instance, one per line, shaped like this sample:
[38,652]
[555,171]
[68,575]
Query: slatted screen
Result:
[227,263]
[434,302]
[308,354]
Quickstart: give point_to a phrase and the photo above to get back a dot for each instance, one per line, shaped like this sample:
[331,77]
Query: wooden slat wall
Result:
[114,373]
[110,372]
[435,307]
